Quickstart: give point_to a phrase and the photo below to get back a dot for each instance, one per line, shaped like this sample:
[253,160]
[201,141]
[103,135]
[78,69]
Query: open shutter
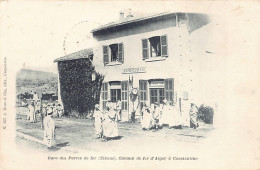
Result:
[104,96]
[121,52]
[105,55]
[143,92]
[145,48]
[124,95]
[169,89]
[164,46]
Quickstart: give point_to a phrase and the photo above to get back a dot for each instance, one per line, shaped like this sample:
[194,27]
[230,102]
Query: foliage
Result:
[206,114]
[26,95]
[79,93]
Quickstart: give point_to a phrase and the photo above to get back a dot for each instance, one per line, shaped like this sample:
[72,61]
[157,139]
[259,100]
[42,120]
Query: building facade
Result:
[151,54]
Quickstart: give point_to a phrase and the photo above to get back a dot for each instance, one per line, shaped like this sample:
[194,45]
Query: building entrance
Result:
[115,95]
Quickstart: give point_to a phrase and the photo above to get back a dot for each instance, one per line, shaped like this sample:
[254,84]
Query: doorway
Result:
[115,95]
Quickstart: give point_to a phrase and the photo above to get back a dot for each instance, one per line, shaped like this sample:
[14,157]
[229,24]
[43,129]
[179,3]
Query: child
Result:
[98,121]
[49,128]
[156,115]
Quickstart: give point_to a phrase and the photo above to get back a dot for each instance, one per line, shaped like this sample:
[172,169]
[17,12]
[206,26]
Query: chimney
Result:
[129,13]
[121,15]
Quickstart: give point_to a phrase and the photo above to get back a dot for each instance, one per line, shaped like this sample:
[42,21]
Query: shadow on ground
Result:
[58,146]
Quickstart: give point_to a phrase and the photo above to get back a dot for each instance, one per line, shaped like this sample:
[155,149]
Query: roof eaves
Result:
[115,24]
[76,55]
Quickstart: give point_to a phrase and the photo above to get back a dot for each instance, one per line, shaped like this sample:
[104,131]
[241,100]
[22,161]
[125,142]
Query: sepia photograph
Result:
[129,85]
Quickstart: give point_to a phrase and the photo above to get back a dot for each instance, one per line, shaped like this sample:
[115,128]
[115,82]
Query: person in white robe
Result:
[59,110]
[176,121]
[194,112]
[98,116]
[110,129]
[156,115]
[167,114]
[49,129]
[44,108]
[146,118]
[55,111]
[32,114]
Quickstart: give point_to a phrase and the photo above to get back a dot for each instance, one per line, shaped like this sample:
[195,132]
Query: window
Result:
[157,95]
[155,47]
[113,53]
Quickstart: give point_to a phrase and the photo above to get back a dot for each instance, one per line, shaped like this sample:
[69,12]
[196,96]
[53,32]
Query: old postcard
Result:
[130,85]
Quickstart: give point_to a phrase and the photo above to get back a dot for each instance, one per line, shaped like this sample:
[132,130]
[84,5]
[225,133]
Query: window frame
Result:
[107,54]
[147,48]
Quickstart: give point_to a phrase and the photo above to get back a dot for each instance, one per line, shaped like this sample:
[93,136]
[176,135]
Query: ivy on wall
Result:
[79,93]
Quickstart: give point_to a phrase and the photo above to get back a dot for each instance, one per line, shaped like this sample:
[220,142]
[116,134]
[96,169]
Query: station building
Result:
[152,54]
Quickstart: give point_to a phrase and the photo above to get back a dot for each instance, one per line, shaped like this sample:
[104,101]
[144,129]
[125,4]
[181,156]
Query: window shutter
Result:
[143,92]
[121,52]
[105,55]
[145,48]
[104,96]
[169,89]
[164,46]
[124,95]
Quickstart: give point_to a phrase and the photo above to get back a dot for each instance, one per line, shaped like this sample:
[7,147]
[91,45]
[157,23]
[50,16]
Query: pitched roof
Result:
[130,20]
[77,55]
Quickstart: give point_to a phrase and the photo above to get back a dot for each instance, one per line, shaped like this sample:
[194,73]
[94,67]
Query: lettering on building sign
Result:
[156,83]
[134,70]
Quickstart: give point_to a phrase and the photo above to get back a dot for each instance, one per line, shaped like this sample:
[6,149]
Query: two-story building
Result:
[151,54]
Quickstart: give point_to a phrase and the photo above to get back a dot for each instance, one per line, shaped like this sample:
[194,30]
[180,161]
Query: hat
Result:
[165,101]
[134,91]
[49,111]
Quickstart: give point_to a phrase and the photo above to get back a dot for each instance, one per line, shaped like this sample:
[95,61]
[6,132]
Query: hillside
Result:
[27,77]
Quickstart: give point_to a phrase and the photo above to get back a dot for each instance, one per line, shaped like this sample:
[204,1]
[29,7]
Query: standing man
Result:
[32,114]
[98,115]
[135,103]
[119,109]
[35,98]
[194,112]
[49,129]
[156,115]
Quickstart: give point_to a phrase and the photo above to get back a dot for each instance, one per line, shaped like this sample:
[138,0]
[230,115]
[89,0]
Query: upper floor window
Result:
[113,53]
[156,46]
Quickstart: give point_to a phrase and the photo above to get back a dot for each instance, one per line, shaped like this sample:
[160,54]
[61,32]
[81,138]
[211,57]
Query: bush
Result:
[206,114]
[79,93]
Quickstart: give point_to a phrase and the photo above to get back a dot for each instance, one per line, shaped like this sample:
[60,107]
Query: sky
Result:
[32,33]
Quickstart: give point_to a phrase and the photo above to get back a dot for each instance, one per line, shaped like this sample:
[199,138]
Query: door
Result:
[115,95]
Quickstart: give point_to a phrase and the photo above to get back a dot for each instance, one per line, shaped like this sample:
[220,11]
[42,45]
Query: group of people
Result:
[56,109]
[35,108]
[154,117]
[106,122]
[47,111]
[166,115]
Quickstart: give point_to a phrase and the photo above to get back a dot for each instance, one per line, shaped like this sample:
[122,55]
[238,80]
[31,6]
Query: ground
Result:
[77,135]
